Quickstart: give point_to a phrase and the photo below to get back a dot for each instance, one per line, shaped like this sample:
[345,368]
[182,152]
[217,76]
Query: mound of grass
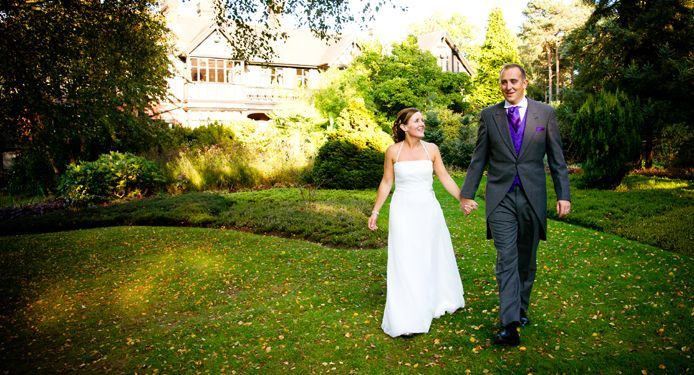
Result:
[333,217]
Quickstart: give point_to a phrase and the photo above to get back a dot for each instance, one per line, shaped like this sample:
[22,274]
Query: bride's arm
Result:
[442,174]
[383,188]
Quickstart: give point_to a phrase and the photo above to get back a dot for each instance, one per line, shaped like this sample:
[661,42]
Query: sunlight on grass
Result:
[633,183]
[52,308]
[332,209]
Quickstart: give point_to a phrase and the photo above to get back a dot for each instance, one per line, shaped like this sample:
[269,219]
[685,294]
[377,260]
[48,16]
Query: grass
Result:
[332,217]
[205,300]
[653,210]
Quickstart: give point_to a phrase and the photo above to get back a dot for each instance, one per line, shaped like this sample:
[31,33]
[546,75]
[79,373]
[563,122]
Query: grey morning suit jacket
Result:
[495,147]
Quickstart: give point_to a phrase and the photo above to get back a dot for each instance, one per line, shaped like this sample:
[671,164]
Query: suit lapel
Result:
[532,119]
[502,126]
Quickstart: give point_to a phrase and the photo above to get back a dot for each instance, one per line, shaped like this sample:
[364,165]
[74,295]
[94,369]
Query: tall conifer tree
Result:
[500,47]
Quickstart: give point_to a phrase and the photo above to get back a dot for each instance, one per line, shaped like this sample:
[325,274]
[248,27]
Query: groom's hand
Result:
[563,208]
[467,205]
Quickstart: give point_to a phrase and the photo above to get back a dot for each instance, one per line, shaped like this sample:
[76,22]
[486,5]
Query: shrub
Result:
[433,133]
[112,176]
[31,173]
[455,134]
[606,132]
[676,146]
[245,153]
[347,163]
[352,157]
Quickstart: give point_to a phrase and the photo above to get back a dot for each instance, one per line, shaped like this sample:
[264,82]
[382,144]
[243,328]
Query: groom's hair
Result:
[511,66]
[402,118]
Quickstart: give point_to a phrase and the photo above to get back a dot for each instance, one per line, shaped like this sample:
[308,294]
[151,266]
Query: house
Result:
[448,56]
[208,86]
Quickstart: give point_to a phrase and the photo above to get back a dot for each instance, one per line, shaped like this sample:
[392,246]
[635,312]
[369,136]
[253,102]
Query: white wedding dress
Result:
[423,280]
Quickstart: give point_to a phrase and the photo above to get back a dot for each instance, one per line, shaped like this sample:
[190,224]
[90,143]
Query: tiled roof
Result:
[301,47]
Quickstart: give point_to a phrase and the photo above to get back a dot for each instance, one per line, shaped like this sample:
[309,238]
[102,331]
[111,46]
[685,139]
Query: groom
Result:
[513,138]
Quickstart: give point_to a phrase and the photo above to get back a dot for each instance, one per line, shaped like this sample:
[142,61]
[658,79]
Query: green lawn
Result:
[187,300]
[654,210]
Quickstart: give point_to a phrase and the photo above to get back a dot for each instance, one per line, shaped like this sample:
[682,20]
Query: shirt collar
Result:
[523,103]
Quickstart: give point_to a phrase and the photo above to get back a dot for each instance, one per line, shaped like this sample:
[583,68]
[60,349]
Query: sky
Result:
[393,24]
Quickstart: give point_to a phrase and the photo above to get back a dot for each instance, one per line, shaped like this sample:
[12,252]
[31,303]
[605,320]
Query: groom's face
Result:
[513,85]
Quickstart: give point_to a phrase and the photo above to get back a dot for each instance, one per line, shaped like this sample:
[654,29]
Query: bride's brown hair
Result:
[402,118]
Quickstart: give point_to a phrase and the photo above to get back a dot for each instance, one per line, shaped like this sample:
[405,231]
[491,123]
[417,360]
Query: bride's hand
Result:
[372,221]
[468,205]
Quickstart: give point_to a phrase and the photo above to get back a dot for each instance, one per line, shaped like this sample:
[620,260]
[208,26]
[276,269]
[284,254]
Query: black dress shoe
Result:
[524,321]
[508,335]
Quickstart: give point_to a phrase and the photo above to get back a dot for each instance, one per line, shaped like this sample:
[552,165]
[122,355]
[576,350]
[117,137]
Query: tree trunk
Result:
[549,73]
[647,152]
[556,57]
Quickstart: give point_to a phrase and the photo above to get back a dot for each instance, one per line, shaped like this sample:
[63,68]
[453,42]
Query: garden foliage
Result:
[644,49]
[246,153]
[606,134]
[407,77]
[78,80]
[454,134]
[111,176]
[352,157]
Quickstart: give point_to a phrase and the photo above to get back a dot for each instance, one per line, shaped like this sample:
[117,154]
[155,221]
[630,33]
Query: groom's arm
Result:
[557,166]
[479,160]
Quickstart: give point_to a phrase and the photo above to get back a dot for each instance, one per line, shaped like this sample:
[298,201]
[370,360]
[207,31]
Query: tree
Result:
[499,48]
[546,22]
[78,79]
[606,133]
[257,23]
[643,48]
[409,77]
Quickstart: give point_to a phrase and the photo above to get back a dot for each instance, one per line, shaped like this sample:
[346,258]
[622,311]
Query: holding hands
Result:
[468,205]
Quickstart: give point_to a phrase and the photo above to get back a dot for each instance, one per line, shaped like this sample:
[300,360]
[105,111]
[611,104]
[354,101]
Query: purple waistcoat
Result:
[517,138]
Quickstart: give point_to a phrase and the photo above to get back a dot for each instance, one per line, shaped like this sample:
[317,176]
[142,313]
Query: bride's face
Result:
[415,126]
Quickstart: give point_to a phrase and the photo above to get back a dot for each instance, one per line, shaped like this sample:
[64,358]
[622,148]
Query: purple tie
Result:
[513,116]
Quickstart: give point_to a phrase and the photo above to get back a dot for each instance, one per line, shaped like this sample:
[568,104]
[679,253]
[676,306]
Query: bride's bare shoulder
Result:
[392,149]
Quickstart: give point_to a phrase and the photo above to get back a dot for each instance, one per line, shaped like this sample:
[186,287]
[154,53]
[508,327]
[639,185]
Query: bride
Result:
[423,280]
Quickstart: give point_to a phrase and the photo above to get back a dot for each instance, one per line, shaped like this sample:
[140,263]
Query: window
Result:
[302,77]
[215,70]
[276,76]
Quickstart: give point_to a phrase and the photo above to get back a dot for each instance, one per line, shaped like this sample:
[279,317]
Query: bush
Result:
[246,154]
[352,157]
[434,132]
[455,134]
[112,176]
[676,146]
[346,163]
[572,100]
[31,174]
[606,132]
